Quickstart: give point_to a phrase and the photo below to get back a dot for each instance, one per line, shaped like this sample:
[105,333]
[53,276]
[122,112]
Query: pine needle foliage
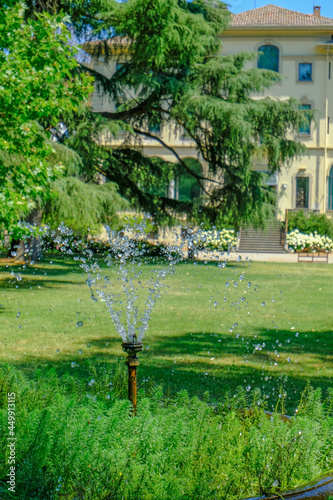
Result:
[173,75]
[76,441]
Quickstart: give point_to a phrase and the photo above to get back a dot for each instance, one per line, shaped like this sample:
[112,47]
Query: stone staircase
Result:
[269,240]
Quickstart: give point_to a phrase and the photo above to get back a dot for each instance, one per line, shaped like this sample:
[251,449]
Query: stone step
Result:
[261,240]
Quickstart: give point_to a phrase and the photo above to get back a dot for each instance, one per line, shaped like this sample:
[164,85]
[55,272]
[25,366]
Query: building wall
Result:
[295,48]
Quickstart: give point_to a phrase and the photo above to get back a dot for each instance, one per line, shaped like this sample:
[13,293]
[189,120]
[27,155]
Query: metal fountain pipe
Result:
[131,349]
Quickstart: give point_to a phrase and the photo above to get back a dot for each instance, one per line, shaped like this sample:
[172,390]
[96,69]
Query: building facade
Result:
[300,48]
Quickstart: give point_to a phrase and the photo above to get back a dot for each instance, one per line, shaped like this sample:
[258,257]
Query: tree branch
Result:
[183,164]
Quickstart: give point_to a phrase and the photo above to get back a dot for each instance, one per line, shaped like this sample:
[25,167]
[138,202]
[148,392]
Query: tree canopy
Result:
[38,85]
[171,75]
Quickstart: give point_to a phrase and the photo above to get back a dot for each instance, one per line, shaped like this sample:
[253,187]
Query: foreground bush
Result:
[70,446]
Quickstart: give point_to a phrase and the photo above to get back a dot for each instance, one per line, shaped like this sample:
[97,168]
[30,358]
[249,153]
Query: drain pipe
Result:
[326,131]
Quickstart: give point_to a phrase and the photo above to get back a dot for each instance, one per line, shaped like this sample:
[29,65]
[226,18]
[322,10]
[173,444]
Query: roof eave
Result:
[282,27]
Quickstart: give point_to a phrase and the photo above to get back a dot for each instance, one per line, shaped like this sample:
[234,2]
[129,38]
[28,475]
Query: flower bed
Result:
[215,240]
[313,242]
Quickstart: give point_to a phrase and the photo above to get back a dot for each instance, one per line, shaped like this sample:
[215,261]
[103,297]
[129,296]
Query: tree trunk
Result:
[28,249]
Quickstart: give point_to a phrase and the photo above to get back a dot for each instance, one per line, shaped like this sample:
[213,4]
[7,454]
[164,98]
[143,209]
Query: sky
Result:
[304,6]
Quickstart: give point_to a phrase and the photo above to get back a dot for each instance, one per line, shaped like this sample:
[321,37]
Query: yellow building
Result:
[300,48]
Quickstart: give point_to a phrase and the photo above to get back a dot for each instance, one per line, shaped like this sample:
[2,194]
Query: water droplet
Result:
[73,364]
[92,381]
[263,303]
[79,323]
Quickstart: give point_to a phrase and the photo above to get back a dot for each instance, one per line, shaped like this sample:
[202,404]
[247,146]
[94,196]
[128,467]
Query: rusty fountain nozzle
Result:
[131,349]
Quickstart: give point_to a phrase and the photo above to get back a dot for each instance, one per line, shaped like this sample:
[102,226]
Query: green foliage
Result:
[78,442]
[146,224]
[82,206]
[170,59]
[38,84]
[310,223]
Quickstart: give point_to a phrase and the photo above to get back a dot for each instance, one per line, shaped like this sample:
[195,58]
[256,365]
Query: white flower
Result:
[311,242]
[216,240]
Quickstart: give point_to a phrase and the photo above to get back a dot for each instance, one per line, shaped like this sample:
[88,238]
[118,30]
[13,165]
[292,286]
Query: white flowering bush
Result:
[215,240]
[309,242]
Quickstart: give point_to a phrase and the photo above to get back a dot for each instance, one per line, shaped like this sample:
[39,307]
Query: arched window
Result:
[268,57]
[330,190]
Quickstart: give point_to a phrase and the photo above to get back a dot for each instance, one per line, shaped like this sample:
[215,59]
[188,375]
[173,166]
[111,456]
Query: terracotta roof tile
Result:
[271,15]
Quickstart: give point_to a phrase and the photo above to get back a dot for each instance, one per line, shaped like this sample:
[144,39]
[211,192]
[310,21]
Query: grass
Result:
[275,334]
[264,327]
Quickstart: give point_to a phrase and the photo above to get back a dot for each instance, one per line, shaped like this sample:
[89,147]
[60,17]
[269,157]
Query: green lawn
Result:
[203,335]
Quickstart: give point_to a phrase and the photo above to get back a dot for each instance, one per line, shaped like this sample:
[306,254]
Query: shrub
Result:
[311,223]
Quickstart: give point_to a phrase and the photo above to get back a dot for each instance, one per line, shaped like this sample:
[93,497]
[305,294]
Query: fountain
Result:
[127,285]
